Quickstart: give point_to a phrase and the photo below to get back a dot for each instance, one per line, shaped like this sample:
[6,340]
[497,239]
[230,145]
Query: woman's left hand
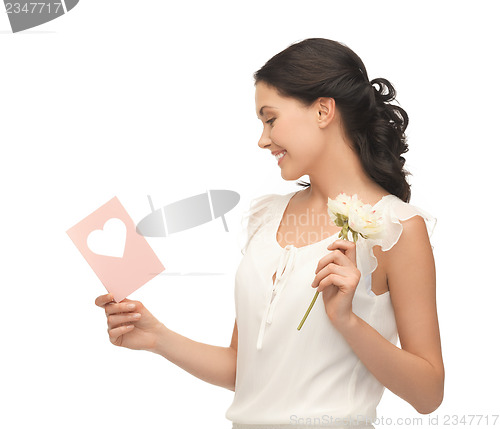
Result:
[337,276]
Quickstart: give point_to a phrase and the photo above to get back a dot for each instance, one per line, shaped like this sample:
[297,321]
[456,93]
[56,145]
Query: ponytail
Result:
[382,144]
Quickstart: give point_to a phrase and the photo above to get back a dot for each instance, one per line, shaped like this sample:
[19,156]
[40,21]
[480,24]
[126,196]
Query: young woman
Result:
[323,118]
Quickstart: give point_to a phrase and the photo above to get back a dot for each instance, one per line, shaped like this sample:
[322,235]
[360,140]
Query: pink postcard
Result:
[122,258]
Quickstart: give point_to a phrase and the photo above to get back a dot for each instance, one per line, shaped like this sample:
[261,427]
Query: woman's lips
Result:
[280,156]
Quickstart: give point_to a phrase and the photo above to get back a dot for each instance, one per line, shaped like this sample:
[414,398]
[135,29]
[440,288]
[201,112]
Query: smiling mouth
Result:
[280,155]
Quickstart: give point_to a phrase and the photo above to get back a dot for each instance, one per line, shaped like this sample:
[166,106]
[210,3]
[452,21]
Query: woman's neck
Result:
[341,171]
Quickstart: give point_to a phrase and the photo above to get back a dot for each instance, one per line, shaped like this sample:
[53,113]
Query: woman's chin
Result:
[287,175]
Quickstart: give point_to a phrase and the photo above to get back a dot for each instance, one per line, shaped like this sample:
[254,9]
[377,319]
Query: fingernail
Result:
[131,306]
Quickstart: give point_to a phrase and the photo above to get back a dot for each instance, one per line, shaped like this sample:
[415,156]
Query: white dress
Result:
[290,378]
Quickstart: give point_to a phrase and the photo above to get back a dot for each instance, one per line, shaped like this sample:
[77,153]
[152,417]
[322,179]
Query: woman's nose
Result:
[264,140]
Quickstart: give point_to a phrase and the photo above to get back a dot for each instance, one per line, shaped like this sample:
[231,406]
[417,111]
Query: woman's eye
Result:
[270,121]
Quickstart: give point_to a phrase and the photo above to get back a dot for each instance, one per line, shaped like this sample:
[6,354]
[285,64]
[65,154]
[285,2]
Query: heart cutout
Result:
[110,240]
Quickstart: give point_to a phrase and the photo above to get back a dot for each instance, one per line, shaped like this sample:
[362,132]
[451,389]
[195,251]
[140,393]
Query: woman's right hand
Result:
[135,328]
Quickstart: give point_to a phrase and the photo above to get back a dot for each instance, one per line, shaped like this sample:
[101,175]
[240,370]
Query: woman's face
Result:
[290,126]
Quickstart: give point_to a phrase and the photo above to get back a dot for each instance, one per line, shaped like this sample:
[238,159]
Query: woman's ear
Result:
[326,111]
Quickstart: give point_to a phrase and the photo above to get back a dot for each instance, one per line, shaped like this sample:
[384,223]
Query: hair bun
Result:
[385,90]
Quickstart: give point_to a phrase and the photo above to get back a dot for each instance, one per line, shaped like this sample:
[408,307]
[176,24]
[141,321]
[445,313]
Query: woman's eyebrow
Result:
[262,108]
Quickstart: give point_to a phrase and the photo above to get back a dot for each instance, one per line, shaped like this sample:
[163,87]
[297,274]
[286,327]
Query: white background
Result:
[157,98]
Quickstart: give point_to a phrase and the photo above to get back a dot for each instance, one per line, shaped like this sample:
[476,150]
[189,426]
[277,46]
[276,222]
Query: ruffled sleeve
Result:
[393,210]
[260,212]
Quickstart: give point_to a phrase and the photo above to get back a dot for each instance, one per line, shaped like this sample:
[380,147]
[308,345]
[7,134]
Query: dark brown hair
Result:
[320,67]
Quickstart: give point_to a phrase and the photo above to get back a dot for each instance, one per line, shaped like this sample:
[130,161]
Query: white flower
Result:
[340,205]
[365,221]
[351,214]
[343,204]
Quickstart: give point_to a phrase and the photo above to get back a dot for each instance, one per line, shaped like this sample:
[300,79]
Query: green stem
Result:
[308,310]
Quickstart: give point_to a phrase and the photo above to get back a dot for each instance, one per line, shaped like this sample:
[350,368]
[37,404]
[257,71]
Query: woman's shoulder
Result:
[263,202]
[399,219]
[261,210]
[398,216]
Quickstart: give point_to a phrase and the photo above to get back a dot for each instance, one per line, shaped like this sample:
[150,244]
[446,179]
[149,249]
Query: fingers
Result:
[337,256]
[120,316]
[337,268]
[343,277]
[332,279]
[119,319]
[102,300]
[122,307]
[348,248]
[330,271]
[116,333]
[342,244]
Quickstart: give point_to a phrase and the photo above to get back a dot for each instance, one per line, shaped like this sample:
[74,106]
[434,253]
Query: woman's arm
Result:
[131,325]
[415,372]
[213,364]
